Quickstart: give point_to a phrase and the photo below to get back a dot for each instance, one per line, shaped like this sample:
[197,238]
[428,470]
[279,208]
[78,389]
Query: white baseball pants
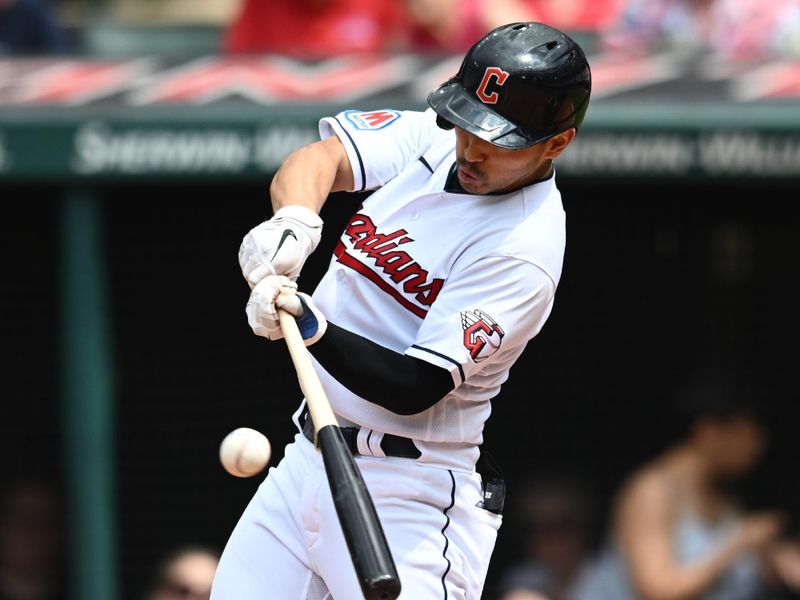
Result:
[288,544]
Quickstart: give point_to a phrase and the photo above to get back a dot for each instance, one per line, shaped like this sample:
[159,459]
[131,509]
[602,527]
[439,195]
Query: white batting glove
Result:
[276,291]
[281,245]
[262,316]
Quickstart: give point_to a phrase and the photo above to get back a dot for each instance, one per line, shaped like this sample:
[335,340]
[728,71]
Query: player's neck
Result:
[542,173]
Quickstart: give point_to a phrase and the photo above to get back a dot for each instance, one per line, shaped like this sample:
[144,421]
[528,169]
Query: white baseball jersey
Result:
[459,280]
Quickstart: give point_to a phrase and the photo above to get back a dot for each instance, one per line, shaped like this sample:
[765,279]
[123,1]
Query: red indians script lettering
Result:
[396,264]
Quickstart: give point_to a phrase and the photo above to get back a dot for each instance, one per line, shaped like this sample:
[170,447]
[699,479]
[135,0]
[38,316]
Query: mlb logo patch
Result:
[376,119]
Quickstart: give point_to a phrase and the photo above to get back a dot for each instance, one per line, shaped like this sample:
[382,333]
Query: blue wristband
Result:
[307,324]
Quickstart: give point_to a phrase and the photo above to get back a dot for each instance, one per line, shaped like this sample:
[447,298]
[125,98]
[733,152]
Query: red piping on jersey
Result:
[346,259]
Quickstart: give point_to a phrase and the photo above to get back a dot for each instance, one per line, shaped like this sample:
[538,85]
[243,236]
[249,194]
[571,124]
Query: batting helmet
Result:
[519,85]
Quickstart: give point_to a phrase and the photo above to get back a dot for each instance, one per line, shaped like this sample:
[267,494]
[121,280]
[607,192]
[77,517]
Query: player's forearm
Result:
[402,384]
[310,174]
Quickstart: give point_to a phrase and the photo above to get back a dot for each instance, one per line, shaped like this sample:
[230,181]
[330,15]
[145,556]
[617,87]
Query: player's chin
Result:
[474,185]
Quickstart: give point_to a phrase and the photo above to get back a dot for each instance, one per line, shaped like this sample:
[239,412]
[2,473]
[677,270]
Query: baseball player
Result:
[437,284]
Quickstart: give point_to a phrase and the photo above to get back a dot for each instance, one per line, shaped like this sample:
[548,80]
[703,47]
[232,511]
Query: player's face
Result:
[484,168]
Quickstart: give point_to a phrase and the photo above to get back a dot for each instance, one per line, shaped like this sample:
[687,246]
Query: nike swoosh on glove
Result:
[281,245]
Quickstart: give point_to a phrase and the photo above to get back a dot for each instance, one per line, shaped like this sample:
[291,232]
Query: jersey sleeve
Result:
[484,314]
[380,143]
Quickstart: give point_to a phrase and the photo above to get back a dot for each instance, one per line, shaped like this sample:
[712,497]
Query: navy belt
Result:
[392,445]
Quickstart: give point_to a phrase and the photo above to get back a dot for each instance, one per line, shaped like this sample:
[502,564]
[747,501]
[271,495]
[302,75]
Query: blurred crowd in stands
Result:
[186,573]
[676,531]
[677,528]
[739,29]
[33,542]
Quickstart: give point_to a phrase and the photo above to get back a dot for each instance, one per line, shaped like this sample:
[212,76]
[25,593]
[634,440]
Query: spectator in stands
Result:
[677,534]
[28,27]
[213,13]
[740,29]
[573,15]
[185,574]
[454,25]
[556,515]
[30,541]
[524,595]
[314,28]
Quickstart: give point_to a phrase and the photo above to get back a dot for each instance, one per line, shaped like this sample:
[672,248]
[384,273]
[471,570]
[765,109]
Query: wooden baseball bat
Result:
[362,529]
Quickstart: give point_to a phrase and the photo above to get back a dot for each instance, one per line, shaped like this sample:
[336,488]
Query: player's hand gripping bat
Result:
[363,533]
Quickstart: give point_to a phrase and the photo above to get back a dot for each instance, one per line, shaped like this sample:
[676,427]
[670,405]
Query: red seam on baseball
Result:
[239,456]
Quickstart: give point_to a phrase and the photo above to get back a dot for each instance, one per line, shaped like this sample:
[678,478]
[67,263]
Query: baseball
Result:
[244,452]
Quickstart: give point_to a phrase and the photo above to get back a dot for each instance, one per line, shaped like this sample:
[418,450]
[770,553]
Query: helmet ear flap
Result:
[444,123]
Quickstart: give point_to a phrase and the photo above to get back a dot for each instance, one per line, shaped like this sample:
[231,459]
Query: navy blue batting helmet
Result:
[519,85]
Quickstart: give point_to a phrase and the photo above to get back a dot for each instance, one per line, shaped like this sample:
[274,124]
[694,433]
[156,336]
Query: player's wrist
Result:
[300,214]
[280,245]
[311,322]
[300,220]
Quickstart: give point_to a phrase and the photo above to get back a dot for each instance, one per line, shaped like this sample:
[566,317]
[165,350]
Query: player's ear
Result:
[557,143]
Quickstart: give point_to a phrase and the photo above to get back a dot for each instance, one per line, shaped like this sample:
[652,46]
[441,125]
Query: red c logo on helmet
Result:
[487,77]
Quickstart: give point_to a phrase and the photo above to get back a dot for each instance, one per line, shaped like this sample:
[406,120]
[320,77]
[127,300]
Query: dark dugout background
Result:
[664,283]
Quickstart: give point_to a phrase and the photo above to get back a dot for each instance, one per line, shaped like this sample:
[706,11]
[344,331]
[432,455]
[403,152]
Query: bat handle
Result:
[318,406]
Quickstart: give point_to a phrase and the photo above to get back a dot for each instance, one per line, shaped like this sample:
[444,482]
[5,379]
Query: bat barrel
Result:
[386,587]
[362,530]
